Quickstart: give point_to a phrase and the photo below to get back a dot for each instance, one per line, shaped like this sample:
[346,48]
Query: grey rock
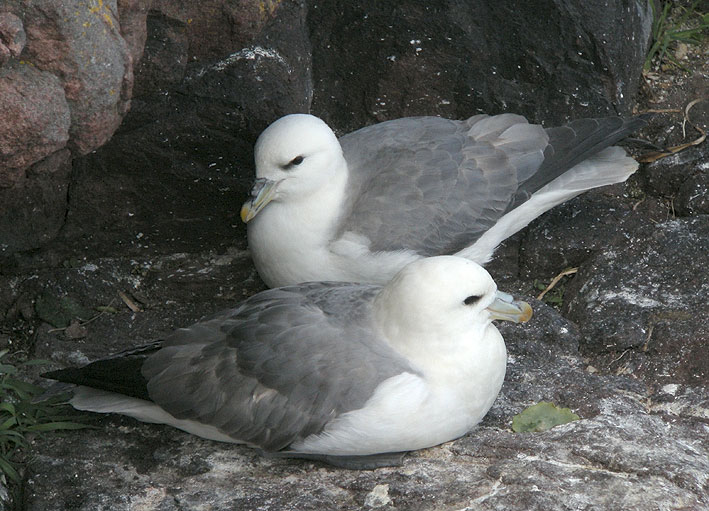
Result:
[186,147]
[33,211]
[666,176]
[644,301]
[164,55]
[571,233]
[625,449]
[376,61]
[210,76]
[154,214]
[693,194]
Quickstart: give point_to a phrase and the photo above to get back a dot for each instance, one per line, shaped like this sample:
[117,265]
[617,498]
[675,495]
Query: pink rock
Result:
[12,36]
[35,119]
[133,15]
[80,42]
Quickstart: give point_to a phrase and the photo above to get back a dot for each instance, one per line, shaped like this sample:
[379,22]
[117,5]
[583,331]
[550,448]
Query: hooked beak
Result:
[506,309]
[262,193]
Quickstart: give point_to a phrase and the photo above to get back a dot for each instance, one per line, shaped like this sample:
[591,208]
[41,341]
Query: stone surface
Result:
[643,302]
[35,120]
[571,233]
[12,36]
[65,83]
[81,44]
[132,15]
[693,195]
[150,220]
[214,26]
[33,212]
[204,79]
[550,61]
[625,449]
[665,177]
[186,147]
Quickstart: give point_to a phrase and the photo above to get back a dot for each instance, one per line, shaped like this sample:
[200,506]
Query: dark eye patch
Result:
[294,162]
[471,299]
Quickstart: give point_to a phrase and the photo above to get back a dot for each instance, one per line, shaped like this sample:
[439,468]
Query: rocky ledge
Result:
[119,225]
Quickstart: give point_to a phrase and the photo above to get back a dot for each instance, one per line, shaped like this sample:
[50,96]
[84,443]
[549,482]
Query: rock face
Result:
[34,210]
[682,178]
[144,222]
[454,58]
[36,119]
[631,443]
[647,297]
[65,83]
[80,43]
[203,79]
[12,37]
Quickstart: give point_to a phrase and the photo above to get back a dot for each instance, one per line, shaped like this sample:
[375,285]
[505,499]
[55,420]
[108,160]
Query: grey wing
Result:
[434,185]
[573,143]
[279,367]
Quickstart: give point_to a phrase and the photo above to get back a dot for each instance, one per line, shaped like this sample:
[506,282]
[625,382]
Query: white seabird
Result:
[361,208]
[343,373]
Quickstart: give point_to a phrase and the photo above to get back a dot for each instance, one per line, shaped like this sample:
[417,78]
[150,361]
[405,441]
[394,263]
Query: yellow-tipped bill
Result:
[505,308]
[262,193]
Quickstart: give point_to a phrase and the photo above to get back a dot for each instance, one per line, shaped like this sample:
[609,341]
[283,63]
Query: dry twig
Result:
[651,157]
[555,281]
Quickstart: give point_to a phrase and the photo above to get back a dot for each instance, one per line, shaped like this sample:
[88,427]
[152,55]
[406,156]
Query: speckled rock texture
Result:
[202,79]
[131,218]
[631,444]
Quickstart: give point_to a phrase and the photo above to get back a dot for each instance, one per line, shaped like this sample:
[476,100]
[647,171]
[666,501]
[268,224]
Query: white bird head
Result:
[445,296]
[295,157]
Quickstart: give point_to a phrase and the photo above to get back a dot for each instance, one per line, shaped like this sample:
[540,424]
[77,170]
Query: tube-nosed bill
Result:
[505,308]
[262,193]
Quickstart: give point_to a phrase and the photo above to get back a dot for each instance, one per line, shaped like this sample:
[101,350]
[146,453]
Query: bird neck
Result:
[300,228]
[445,347]
[314,216]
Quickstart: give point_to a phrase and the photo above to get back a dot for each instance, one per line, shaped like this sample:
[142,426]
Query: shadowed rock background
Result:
[126,147]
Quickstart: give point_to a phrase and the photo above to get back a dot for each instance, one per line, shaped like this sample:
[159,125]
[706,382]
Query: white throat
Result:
[301,228]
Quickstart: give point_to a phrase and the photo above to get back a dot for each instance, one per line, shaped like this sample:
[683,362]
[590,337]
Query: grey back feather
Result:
[434,185]
[277,368]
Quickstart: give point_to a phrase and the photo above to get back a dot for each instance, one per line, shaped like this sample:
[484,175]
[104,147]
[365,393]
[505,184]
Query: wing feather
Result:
[279,367]
[435,186]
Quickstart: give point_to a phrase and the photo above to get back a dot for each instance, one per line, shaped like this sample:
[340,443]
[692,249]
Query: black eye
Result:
[296,161]
[471,299]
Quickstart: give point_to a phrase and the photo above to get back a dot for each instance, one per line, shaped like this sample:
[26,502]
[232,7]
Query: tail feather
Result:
[120,373]
[573,144]
[607,167]
[103,401]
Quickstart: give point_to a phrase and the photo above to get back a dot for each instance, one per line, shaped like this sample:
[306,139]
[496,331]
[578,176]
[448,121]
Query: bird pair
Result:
[380,339]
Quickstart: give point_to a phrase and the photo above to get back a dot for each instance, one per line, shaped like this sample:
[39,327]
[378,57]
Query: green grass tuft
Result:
[666,32]
[20,416]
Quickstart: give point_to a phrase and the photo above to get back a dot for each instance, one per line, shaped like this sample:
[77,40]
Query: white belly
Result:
[286,251]
[405,413]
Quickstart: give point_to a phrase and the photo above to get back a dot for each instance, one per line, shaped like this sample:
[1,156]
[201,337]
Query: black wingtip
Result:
[637,122]
[120,373]
[645,116]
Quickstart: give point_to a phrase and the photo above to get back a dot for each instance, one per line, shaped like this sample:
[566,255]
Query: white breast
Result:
[409,412]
